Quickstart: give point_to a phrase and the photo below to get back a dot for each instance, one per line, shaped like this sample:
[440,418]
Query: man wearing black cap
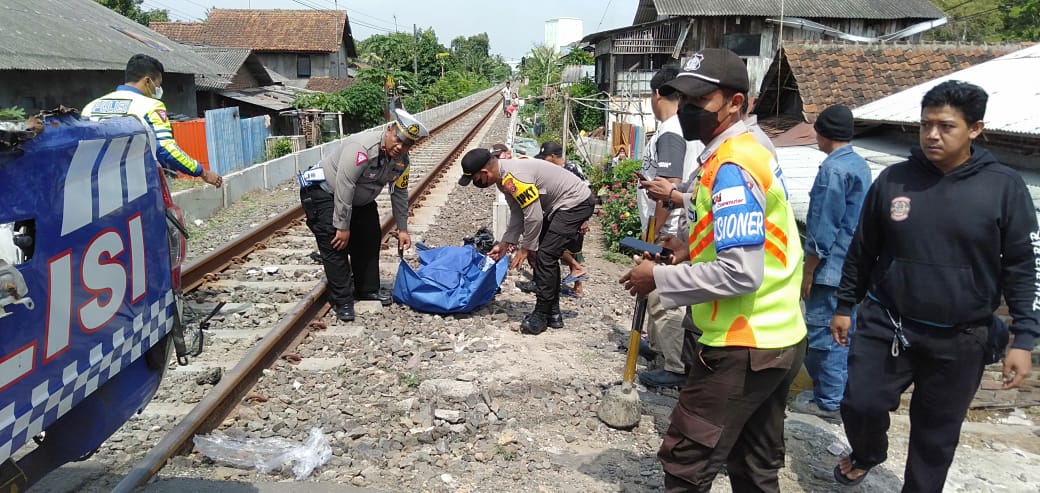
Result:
[339,198]
[834,204]
[742,283]
[547,206]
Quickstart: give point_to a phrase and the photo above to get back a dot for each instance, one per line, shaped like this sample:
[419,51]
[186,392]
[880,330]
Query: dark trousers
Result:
[944,364]
[559,230]
[354,269]
[731,411]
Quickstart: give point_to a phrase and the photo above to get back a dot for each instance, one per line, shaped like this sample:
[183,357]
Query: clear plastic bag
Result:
[267,454]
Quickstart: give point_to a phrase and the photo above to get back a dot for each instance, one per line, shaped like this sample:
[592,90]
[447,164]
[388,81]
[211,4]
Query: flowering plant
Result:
[619,215]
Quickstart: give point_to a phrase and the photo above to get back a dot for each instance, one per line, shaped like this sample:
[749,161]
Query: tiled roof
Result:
[825,74]
[190,33]
[649,10]
[1009,81]
[315,31]
[328,84]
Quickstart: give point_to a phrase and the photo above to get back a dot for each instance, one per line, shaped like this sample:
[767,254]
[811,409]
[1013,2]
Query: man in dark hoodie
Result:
[941,238]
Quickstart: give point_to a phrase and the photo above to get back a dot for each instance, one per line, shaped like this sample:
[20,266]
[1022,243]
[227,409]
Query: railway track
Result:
[273,293]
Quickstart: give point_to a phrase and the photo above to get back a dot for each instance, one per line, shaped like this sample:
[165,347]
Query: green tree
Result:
[542,68]
[131,9]
[362,104]
[578,56]
[1021,19]
[394,51]
[587,116]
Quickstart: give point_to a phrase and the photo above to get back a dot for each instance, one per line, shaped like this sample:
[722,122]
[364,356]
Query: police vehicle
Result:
[90,255]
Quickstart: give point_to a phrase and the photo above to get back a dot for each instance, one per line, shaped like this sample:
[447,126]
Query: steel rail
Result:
[196,272]
[218,402]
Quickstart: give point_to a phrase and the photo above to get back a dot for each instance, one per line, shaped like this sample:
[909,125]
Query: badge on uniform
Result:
[402,182]
[524,193]
[361,158]
[162,114]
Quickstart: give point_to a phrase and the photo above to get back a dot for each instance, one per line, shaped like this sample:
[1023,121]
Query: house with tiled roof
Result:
[71,51]
[298,44]
[668,31]
[806,78]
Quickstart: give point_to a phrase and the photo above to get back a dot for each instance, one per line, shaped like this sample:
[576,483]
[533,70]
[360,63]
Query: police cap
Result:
[408,128]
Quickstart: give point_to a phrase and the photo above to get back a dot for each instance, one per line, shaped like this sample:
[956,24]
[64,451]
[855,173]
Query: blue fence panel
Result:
[224,140]
[254,132]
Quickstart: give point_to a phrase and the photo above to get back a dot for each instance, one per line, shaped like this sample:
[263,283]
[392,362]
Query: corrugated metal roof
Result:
[276,98]
[801,164]
[825,9]
[84,35]
[1013,97]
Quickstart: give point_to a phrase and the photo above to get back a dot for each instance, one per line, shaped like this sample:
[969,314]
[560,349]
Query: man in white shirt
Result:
[507,94]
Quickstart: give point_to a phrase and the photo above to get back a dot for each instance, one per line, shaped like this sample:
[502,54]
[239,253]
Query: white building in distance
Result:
[562,31]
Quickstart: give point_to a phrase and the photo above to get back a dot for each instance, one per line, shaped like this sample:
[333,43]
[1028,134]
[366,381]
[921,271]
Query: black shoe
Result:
[345,312]
[644,349]
[534,323]
[662,379]
[555,320]
[385,300]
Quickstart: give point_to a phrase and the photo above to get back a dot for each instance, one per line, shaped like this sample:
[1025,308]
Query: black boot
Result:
[345,312]
[555,319]
[534,323]
[383,299]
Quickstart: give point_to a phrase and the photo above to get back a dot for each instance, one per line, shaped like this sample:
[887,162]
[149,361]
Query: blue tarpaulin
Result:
[451,279]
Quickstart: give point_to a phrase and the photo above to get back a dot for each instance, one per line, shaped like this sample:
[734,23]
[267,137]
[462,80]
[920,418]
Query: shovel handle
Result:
[633,342]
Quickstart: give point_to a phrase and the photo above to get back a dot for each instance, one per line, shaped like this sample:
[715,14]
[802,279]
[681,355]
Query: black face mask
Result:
[697,123]
[480,184]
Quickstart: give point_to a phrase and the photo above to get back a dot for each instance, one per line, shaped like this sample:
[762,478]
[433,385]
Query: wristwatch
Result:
[668,204]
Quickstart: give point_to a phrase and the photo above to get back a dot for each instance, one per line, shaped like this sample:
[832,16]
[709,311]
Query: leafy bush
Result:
[619,216]
[278,148]
[362,105]
[13,113]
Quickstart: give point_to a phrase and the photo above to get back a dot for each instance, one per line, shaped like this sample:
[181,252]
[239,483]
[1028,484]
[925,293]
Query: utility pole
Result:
[415,54]
[566,123]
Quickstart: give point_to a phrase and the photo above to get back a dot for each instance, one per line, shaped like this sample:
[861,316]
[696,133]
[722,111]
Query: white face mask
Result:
[158,93]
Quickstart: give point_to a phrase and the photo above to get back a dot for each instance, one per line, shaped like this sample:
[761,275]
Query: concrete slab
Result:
[279,170]
[367,307]
[242,182]
[199,203]
[307,158]
[320,364]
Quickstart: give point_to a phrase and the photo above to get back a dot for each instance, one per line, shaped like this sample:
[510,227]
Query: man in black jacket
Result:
[942,236]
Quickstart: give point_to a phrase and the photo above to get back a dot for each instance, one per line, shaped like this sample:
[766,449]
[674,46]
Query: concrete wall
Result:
[203,202]
[43,90]
[285,64]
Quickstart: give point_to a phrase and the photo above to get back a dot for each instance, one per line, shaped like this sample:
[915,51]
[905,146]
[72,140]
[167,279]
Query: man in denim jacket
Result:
[834,205]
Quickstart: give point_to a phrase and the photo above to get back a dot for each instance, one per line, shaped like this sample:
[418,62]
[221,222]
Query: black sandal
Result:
[844,480]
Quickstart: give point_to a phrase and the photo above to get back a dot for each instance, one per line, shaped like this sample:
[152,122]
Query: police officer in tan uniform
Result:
[547,205]
[339,199]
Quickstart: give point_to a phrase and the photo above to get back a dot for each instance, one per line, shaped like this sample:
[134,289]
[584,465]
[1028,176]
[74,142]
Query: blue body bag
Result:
[451,279]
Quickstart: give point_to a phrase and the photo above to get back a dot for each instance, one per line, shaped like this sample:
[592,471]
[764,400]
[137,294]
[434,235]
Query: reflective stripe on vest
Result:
[770,317]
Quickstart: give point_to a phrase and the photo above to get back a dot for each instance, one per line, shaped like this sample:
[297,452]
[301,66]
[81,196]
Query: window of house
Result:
[303,66]
[744,44]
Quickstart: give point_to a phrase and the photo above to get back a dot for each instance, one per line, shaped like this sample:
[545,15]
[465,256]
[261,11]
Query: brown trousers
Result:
[731,411]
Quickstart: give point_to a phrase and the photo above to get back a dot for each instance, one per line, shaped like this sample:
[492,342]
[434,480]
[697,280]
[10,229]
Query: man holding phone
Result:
[742,284]
[668,155]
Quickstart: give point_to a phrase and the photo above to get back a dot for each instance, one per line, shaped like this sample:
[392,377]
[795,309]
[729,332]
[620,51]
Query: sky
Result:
[513,26]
